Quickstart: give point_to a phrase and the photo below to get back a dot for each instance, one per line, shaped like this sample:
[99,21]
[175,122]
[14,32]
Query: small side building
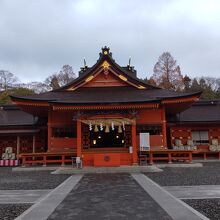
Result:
[21,131]
[200,123]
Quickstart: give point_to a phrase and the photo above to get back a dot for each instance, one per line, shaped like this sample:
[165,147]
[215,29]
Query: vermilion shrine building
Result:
[100,114]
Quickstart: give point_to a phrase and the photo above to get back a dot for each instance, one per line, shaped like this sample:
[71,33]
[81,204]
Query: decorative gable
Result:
[105,79]
[106,73]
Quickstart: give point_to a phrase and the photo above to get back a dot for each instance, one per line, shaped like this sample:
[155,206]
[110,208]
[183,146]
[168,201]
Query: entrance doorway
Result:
[102,139]
[106,133]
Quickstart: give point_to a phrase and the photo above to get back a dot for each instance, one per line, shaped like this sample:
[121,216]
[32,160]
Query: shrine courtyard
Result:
[161,195]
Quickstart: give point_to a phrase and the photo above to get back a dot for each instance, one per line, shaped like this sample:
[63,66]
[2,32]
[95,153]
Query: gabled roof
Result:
[132,90]
[12,115]
[106,95]
[107,64]
[202,111]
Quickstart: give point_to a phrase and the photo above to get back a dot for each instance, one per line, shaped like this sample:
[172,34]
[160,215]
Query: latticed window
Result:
[200,137]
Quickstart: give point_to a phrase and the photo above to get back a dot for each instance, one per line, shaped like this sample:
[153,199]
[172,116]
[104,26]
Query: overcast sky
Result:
[37,37]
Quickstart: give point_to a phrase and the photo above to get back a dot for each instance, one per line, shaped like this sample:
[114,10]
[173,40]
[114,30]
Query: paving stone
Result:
[21,196]
[194,192]
[109,196]
[121,169]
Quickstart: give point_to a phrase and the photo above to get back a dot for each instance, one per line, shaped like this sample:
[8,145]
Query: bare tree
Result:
[66,75]
[187,83]
[167,73]
[52,82]
[57,80]
[7,79]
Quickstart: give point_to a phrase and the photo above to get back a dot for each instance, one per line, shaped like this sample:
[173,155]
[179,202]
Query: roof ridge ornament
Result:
[106,51]
[85,67]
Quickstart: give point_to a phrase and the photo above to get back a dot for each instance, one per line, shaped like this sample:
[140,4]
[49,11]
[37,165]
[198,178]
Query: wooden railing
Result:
[46,158]
[153,155]
[178,155]
[206,154]
[169,155]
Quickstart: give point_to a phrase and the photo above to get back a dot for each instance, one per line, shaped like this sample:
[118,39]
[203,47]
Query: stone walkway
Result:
[21,196]
[45,206]
[177,209]
[195,192]
[108,196]
[102,196]
[121,169]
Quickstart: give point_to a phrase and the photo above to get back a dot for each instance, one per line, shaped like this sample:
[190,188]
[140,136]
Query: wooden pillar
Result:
[151,159]
[169,157]
[49,131]
[164,128]
[34,145]
[134,144]
[18,146]
[79,139]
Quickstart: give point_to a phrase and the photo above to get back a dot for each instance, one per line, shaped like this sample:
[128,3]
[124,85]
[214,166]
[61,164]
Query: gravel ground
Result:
[28,180]
[11,211]
[207,175]
[208,207]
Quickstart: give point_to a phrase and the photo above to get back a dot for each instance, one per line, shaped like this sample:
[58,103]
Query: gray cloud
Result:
[38,37]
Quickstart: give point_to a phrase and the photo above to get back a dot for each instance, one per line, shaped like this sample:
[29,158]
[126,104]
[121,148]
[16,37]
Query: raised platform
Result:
[113,159]
[121,169]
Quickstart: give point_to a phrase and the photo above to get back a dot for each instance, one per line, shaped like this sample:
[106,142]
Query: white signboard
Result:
[144,141]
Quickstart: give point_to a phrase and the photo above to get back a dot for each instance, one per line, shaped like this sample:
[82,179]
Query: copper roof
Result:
[106,95]
[13,116]
[201,112]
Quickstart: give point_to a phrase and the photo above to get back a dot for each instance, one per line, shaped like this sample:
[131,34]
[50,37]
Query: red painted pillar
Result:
[49,131]
[164,128]
[134,144]
[79,139]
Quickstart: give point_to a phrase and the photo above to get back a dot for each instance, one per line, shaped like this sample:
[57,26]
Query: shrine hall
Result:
[106,117]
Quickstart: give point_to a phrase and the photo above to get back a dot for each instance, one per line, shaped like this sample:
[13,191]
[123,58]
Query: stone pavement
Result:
[121,169]
[21,196]
[110,196]
[195,192]
[45,206]
[177,209]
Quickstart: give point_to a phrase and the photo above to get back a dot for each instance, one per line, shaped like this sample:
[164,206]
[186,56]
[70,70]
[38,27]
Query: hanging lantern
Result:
[119,129]
[113,128]
[107,129]
[101,126]
[96,128]
[90,125]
